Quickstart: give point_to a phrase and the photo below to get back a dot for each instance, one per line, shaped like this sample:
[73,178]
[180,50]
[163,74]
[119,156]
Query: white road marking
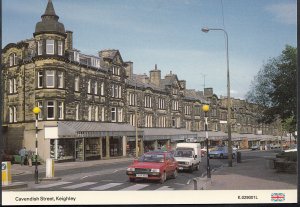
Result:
[165,188]
[107,186]
[135,187]
[52,185]
[179,184]
[84,177]
[188,182]
[79,185]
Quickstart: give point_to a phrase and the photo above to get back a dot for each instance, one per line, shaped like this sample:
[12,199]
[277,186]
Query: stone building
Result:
[95,107]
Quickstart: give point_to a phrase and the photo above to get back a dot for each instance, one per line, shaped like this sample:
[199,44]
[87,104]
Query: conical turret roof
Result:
[49,23]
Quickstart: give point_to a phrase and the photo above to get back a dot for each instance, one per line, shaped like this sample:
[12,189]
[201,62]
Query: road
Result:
[112,177]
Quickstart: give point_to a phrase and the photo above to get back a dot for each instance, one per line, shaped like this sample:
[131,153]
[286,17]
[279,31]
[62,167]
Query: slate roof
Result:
[137,81]
[109,53]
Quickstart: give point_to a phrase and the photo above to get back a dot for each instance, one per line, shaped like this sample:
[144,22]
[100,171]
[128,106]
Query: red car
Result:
[153,166]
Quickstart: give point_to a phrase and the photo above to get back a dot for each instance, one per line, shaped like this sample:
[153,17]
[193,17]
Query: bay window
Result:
[50,79]
[50,47]
[60,76]
[50,110]
[59,47]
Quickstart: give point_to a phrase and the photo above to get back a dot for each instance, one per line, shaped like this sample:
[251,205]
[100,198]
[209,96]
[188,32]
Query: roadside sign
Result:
[6,174]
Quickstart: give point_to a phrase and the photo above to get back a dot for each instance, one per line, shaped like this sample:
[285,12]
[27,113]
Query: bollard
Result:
[6,174]
[49,168]
[195,184]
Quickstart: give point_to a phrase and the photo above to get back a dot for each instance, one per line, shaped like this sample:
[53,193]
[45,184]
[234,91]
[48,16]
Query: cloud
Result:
[284,12]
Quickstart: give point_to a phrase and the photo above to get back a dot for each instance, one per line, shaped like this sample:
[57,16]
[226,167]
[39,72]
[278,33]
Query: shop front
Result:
[81,141]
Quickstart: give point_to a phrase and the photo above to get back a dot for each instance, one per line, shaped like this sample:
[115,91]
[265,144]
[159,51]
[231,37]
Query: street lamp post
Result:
[36,111]
[136,126]
[205,29]
[205,108]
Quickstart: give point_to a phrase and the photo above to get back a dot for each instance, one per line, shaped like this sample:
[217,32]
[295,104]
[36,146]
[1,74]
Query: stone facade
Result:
[46,71]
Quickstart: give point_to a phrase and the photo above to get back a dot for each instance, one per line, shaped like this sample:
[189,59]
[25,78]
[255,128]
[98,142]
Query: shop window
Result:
[62,149]
[92,149]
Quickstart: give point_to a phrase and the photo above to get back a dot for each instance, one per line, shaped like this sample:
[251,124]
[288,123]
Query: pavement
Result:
[250,174]
[17,169]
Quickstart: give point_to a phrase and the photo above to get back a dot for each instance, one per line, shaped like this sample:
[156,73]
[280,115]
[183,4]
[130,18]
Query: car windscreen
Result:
[183,153]
[152,158]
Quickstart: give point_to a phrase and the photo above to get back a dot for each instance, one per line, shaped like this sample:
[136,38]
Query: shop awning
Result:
[73,129]
[167,133]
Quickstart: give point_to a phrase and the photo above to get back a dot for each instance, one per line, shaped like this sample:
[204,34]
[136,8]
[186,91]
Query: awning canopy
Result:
[73,129]
[167,133]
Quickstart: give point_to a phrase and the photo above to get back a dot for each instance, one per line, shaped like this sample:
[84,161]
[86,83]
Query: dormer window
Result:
[50,47]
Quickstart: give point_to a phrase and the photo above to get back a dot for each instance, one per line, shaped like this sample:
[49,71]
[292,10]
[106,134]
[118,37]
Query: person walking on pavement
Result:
[22,153]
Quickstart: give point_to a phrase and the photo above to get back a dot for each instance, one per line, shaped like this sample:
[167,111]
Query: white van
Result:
[188,156]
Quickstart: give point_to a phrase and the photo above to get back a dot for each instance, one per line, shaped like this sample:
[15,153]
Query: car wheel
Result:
[175,173]
[131,179]
[163,178]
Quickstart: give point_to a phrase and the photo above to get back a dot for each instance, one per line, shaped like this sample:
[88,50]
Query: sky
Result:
[168,33]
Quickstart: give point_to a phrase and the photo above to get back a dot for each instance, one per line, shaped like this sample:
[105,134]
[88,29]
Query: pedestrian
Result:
[22,153]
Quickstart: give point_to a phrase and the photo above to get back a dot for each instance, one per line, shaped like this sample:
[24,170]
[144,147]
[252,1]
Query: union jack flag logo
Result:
[277,197]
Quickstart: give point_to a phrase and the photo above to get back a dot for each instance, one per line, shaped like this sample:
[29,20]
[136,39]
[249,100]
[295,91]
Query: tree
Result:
[274,89]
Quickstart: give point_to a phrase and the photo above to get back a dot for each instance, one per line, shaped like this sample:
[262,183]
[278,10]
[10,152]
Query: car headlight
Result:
[155,170]
[131,169]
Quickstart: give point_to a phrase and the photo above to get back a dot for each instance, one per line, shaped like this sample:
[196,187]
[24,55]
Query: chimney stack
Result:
[155,76]
[129,69]
[69,40]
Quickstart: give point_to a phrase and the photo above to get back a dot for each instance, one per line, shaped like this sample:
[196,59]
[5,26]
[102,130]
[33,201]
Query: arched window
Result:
[12,59]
